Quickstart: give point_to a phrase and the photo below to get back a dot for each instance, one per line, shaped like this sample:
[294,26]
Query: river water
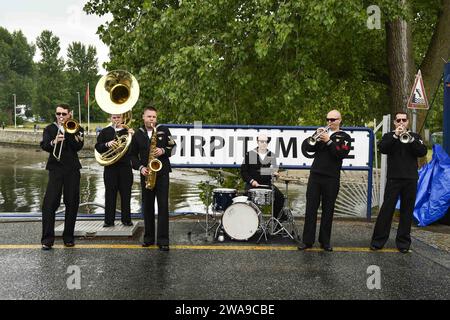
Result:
[23,180]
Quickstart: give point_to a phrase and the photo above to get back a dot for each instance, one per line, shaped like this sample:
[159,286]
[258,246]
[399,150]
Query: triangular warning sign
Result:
[418,98]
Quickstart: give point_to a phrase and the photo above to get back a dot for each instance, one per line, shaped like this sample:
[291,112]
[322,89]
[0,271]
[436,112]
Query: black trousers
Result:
[117,179]
[406,189]
[325,189]
[161,192]
[60,182]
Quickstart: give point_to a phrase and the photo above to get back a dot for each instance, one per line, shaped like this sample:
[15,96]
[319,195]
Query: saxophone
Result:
[154,165]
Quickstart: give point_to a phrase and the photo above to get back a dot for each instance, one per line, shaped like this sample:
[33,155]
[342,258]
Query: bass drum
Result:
[241,220]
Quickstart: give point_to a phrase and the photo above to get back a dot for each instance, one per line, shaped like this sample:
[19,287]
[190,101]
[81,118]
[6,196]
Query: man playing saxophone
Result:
[153,141]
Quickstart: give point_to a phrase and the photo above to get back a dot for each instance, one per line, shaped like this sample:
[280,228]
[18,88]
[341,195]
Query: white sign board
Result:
[225,146]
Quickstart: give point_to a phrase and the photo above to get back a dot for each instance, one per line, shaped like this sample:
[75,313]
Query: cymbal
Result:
[222,172]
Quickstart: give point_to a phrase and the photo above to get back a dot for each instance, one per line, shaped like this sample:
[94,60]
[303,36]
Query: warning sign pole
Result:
[417,99]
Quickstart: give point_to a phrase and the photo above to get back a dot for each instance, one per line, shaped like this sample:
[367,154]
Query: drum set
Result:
[241,217]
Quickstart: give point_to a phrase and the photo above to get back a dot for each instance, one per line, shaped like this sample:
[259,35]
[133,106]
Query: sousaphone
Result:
[116,93]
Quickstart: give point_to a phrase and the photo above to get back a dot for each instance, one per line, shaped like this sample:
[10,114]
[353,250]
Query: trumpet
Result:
[405,137]
[70,126]
[315,137]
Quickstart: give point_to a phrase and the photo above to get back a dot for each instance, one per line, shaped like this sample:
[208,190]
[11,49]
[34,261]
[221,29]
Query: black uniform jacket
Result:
[69,157]
[328,156]
[255,168]
[402,157]
[106,135]
[140,146]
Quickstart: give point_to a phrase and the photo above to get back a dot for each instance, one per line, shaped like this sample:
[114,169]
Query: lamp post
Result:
[79,108]
[15,112]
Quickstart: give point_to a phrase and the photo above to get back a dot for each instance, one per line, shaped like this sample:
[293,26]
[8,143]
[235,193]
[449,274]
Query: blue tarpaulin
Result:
[433,188]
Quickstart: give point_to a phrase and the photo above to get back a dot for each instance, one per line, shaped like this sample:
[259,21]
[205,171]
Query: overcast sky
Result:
[65,18]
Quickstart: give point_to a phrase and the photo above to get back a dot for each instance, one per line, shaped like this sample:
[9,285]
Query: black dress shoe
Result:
[46,247]
[374,248]
[403,250]
[127,224]
[304,247]
[147,244]
[164,247]
[327,248]
[107,225]
[69,244]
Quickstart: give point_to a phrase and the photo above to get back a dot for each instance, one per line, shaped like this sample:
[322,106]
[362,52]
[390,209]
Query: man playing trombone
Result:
[330,146]
[62,139]
[117,176]
[402,148]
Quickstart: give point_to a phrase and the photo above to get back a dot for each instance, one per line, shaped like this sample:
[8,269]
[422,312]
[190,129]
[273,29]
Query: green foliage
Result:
[231,180]
[16,71]
[250,62]
[42,85]
[225,62]
[82,68]
[51,85]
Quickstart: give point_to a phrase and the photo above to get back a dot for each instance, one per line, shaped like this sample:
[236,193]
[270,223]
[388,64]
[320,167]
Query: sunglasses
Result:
[263,141]
[332,119]
[61,114]
[401,120]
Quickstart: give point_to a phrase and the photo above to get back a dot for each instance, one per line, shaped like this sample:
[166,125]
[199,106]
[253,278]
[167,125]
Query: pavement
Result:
[199,268]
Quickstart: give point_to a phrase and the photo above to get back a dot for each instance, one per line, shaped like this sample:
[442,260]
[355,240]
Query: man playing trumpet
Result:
[330,146]
[63,175]
[118,176]
[402,148]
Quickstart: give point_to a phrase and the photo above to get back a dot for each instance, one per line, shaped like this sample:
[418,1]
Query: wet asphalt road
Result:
[193,272]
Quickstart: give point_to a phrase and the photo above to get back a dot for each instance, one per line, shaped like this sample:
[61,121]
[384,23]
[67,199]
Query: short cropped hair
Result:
[400,112]
[150,108]
[64,106]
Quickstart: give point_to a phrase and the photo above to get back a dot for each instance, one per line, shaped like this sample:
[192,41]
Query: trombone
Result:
[69,126]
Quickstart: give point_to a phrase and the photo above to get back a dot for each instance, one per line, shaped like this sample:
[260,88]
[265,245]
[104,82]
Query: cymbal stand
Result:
[207,227]
[276,227]
[286,211]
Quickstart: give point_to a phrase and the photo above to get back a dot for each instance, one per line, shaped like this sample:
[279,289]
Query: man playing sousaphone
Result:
[116,93]
[118,176]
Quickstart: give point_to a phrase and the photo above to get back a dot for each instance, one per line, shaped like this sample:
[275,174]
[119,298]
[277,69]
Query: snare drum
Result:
[241,220]
[261,197]
[240,199]
[223,198]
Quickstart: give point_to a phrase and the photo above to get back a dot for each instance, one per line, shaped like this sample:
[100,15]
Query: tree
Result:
[438,52]
[51,81]
[268,61]
[277,62]
[16,72]
[82,68]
